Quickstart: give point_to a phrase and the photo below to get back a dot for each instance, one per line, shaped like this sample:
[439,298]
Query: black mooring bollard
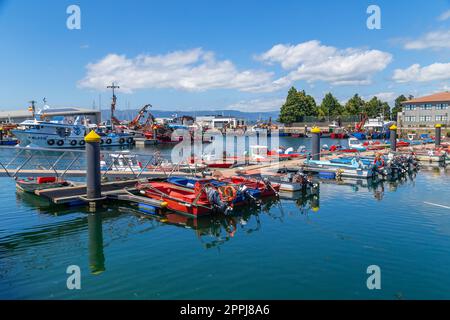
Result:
[93,176]
[315,131]
[393,137]
[437,138]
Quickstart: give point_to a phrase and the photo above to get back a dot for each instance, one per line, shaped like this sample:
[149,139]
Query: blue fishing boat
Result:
[356,168]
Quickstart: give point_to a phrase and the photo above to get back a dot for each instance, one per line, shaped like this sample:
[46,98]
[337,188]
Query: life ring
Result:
[121,140]
[82,142]
[130,140]
[227,193]
[50,142]
[60,142]
[73,142]
[108,141]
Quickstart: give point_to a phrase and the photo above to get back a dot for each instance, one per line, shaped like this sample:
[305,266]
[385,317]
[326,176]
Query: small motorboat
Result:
[356,168]
[266,188]
[354,143]
[32,184]
[244,195]
[292,181]
[202,200]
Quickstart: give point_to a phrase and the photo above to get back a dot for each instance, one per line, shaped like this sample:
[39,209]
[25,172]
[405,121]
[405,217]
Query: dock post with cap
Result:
[93,175]
[315,131]
[393,137]
[438,132]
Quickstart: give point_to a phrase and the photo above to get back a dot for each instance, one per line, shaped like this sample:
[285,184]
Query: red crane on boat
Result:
[360,124]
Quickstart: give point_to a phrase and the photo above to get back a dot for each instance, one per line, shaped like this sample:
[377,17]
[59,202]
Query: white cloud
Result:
[432,40]
[383,96]
[444,16]
[189,70]
[258,105]
[416,73]
[312,61]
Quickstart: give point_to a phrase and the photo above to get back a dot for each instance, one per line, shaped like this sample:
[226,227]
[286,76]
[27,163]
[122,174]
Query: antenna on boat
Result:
[113,103]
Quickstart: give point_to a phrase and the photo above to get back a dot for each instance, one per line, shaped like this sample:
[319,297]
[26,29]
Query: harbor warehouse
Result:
[425,111]
[17,116]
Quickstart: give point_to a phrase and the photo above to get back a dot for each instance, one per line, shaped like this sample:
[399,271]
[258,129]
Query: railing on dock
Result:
[31,162]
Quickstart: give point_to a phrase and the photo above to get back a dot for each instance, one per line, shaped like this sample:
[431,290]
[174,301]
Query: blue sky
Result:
[230,54]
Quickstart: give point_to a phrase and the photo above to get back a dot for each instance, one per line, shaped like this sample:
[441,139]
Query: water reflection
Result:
[212,231]
[96,256]
[377,186]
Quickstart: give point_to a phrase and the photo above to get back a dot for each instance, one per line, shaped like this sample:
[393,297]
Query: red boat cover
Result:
[45,179]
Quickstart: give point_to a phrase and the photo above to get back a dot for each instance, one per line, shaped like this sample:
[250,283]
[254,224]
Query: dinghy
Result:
[39,183]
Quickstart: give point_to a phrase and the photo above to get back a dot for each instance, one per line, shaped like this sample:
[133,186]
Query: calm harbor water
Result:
[307,247]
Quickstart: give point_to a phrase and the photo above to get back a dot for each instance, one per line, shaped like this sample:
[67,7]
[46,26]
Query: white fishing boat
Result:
[57,134]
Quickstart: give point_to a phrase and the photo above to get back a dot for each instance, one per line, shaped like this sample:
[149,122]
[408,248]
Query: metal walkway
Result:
[32,162]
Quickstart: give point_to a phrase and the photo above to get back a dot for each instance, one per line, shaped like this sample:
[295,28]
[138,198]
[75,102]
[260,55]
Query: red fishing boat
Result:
[266,188]
[338,135]
[402,144]
[202,200]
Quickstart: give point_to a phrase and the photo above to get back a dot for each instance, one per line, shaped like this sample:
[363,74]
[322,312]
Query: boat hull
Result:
[179,199]
[31,139]
[31,187]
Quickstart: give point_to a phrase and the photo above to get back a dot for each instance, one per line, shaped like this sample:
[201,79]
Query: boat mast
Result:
[33,108]
[113,103]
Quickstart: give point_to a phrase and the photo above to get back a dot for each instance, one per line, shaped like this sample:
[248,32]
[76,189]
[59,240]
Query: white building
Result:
[219,122]
[425,111]
[17,116]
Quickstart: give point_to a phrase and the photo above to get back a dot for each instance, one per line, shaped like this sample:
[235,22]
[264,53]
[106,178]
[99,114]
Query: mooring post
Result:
[437,138]
[393,137]
[315,131]
[93,176]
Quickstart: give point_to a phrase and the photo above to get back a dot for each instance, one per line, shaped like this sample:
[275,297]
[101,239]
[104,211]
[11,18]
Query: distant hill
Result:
[248,116]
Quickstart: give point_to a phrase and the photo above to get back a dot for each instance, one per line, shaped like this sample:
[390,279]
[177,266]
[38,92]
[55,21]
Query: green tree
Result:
[331,106]
[375,107]
[354,105]
[298,104]
[398,105]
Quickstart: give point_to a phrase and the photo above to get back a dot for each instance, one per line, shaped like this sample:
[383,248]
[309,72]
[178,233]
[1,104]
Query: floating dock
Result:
[78,193]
